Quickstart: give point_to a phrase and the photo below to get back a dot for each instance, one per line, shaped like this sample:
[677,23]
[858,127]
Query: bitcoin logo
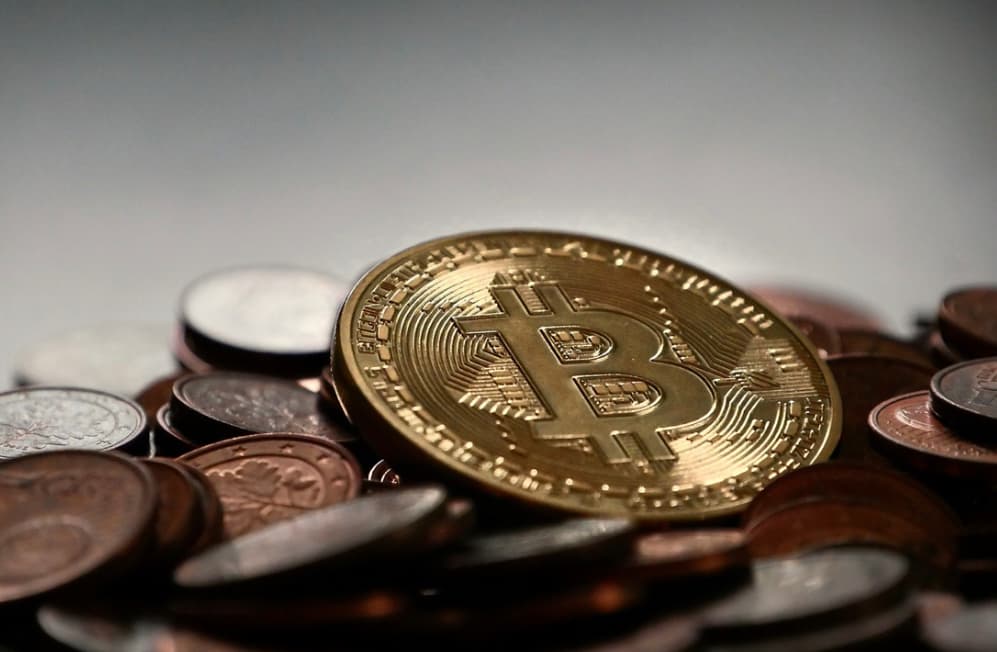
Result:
[609,381]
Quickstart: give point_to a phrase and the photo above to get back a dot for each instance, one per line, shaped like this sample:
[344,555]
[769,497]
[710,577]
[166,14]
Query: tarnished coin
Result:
[812,525]
[117,358]
[972,629]
[212,406]
[179,512]
[875,343]
[537,551]
[967,319]
[808,592]
[35,419]
[865,381]
[580,375]
[167,440]
[833,311]
[70,516]
[907,430]
[156,394]
[824,337]
[964,396]
[685,553]
[263,479]
[856,483]
[270,319]
[212,513]
[367,530]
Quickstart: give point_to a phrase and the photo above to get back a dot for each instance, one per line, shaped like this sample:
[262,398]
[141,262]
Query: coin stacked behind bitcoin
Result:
[529,415]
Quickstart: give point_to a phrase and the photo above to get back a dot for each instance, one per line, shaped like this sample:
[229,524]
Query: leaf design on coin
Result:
[258,492]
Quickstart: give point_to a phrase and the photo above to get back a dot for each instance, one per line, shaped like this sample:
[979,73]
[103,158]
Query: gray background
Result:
[849,147]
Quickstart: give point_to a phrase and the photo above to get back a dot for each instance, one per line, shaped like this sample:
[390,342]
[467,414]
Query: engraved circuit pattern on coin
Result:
[39,419]
[262,479]
[581,374]
[66,514]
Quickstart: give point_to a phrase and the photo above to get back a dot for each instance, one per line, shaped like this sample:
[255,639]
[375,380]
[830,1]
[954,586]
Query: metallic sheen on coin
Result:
[964,396]
[580,374]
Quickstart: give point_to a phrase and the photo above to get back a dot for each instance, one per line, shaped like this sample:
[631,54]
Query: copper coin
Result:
[368,530]
[942,353]
[823,336]
[906,429]
[221,404]
[685,553]
[968,319]
[179,512]
[263,479]
[156,394]
[972,629]
[876,343]
[70,516]
[186,357]
[834,312]
[537,551]
[865,381]
[167,441]
[808,592]
[36,419]
[120,358]
[270,319]
[383,473]
[812,525]
[853,482]
[212,512]
[964,396]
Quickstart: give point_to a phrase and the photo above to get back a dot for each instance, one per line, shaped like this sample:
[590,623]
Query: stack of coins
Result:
[531,441]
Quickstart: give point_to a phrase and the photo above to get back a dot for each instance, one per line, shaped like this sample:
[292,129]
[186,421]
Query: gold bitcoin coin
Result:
[580,374]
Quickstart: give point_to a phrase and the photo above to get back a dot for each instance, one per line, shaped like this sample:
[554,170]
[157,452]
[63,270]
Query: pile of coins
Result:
[508,440]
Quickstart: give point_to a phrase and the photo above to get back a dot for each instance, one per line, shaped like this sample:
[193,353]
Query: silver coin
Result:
[284,310]
[121,358]
[36,419]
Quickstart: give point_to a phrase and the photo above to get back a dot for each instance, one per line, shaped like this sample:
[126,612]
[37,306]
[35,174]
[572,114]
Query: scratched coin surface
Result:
[229,403]
[580,374]
[906,428]
[69,514]
[964,396]
[36,419]
[263,479]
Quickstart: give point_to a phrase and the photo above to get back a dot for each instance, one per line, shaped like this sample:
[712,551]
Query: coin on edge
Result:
[35,419]
[581,375]
[68,515]
[262,479]
[964,396]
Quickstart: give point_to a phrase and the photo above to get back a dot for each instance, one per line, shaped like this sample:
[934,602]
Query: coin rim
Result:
[356,396]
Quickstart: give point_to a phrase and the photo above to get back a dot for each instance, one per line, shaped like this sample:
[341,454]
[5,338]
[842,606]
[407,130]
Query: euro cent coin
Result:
[581,375]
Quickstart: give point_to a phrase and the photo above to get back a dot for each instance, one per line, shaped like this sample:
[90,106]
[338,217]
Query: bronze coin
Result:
[167,440]
[229,404]
[212,512]
[269,319]
[876,343]
[119,358]
[968,319]
[865,381]
[367,531]
[834,312]
[35,419]
[536,551]
[383,473]
[906,429]
[964,396]
[853,482]
[942,353]
[824,337]
[186,357]
[972,629]
[812,525]
[179,513]
[808,592]
[685,553]
[70,516]
[263,479]
[156,394]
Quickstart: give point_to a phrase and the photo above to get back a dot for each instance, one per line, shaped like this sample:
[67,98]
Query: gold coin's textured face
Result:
[581,374]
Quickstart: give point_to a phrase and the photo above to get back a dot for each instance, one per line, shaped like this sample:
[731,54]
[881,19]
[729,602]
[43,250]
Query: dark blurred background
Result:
[845,146]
